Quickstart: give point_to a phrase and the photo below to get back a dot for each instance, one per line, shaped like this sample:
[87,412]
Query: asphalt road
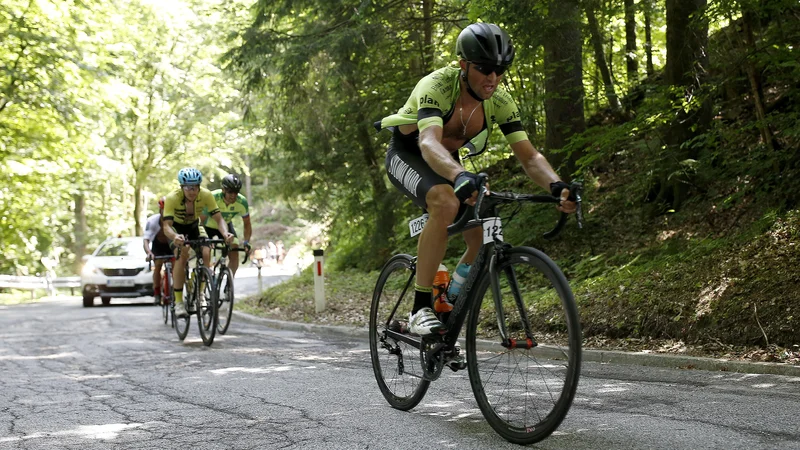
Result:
[116,377]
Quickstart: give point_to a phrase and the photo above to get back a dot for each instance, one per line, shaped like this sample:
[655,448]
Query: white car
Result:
[116,269]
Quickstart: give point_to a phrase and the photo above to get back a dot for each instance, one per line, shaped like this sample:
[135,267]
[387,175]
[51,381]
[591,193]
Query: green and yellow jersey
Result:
[175,206]
[433,100]
[238,208]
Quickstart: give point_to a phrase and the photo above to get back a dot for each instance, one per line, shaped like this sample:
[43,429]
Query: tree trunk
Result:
[80,230]
[138,205]
[427,32]
[648,36]
[383,203]
[686,70]
[564,82]
[631,62]
[247,180]
[749,19]
[600,59]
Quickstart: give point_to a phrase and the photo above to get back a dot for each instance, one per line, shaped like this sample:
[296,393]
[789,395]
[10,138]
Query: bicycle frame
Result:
[455,321]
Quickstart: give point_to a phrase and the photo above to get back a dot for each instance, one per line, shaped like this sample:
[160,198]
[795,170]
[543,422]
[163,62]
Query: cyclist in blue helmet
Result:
[452,109]
[182,208]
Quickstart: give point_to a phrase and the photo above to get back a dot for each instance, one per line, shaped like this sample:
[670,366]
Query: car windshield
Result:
[122,248]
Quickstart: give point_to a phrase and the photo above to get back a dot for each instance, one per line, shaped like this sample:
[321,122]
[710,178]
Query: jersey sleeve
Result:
[208,203]
[245,205]
[152,227]
[170,203]
[431,98]
[508,118]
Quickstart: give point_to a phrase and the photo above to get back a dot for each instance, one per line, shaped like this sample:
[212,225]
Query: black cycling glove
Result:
[465,184]
[556,188]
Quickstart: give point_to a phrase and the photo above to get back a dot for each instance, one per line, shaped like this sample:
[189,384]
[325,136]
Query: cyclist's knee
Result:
[442,202]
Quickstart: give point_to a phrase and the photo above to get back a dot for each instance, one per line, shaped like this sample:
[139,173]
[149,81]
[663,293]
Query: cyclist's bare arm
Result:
[436,154]
[146,246]
[248,228]
[223,227]
[540,171]
[170,232]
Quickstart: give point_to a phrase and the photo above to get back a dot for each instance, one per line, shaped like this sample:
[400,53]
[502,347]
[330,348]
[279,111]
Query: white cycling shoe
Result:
[424,322]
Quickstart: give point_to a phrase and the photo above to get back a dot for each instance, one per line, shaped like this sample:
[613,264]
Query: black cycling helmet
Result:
[485,43]
[231,182]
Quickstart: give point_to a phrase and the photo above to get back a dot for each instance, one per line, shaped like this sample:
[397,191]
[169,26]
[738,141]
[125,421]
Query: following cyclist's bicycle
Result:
[523,336]
[166,285]
[199,295]
[223,280]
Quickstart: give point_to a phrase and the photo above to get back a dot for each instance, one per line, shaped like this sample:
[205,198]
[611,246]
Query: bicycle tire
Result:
[524,394]
[396,364]
[224,284]
[166,290]
[182,323]
[206,305]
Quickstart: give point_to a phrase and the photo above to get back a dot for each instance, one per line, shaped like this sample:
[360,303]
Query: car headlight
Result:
[91,269]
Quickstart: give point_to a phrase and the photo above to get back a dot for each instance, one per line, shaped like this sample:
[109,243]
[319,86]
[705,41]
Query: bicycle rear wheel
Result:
[524,392]
[206,305]
[396,363]
[224,299]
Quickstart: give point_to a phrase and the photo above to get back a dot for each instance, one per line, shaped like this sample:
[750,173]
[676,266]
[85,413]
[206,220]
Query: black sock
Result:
[423,297]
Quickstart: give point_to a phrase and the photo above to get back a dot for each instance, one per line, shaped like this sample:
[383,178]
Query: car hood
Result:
[117,262]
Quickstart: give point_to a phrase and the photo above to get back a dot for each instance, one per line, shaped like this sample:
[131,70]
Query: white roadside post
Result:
[319,281]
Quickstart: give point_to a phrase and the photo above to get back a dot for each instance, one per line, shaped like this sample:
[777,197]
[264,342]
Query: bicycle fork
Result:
[494,278]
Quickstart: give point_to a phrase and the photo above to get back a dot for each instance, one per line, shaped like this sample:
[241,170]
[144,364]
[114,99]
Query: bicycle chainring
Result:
[431,358]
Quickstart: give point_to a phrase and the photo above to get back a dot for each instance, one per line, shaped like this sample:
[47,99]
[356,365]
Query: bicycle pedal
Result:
[455,366]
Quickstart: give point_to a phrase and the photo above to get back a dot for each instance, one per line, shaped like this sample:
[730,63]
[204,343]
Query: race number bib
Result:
[416,225]
[492,228]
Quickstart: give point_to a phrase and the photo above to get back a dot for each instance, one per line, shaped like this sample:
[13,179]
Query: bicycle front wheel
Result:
[396,363]
[224,283]
[524,346]
[166,295]
[206,305]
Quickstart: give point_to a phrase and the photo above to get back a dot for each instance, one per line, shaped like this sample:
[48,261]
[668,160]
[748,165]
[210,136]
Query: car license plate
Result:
[119,282]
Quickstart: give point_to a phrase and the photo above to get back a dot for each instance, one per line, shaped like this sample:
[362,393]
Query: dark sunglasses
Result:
[487,69]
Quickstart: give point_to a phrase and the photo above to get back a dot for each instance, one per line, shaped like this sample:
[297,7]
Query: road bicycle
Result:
[523,336]
[199,295]
[223,280]
[166,285]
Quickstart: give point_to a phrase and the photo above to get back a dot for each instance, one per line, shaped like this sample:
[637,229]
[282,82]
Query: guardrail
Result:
[33,283]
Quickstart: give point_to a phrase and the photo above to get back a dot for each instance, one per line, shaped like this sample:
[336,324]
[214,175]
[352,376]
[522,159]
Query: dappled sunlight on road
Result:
[104,432]
[26,358]
[281,368]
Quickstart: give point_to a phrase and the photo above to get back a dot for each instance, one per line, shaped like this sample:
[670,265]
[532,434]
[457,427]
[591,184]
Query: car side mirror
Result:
[85,257]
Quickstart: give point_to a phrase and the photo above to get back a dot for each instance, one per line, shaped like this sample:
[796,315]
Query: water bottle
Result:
[459,277]
[440,282]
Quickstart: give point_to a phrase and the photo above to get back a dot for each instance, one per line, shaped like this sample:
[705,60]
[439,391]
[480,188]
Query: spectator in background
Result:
[273,251]
[280,252]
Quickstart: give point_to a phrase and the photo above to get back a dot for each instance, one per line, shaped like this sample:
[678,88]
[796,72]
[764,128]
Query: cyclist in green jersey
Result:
[231,204]
[450,109]
[182,209]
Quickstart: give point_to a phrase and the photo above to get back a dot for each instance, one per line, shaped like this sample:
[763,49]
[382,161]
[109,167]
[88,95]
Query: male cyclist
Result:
[156,244]
[181,223]
[450,109]
[231,204]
